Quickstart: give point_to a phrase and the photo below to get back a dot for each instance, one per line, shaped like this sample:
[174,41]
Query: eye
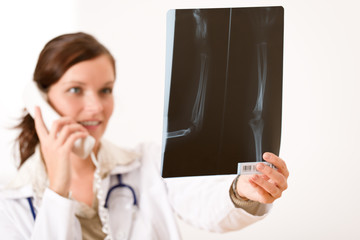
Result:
[106,90]
[74,90]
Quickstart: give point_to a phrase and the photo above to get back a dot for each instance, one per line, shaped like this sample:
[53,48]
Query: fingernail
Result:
[260,166]
[266,155]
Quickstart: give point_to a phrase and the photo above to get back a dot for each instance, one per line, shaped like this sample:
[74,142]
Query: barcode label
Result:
[248,168]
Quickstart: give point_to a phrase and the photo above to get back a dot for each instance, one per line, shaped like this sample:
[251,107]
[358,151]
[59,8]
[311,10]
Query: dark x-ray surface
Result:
[223,91]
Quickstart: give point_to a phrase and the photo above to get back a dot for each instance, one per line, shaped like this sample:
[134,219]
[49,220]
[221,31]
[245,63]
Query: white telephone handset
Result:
[34,97]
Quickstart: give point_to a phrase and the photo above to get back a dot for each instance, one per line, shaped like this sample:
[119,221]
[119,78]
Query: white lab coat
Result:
[201,201]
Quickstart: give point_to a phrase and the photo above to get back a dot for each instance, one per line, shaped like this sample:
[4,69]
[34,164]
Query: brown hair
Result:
[58,55]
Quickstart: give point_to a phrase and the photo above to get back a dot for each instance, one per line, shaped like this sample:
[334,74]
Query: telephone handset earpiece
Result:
[32,97]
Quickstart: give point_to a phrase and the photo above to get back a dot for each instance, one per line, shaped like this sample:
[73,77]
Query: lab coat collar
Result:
[115,160]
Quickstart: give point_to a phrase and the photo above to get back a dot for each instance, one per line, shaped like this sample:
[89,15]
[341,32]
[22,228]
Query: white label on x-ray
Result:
[247,168]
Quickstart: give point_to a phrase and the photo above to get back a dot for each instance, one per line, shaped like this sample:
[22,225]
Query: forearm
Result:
[205,203]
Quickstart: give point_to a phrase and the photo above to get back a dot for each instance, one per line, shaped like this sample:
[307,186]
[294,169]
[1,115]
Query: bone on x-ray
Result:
[223,91]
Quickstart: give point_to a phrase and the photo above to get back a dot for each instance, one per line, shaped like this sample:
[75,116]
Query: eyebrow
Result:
[74,82]
[82,83]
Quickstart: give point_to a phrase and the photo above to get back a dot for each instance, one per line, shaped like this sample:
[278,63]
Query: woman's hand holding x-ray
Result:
[56,146]
[265,187]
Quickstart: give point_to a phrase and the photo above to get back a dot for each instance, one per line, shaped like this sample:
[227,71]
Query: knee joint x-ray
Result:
[223,91]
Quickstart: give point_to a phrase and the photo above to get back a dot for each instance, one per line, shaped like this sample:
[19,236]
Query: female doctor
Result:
[113,193]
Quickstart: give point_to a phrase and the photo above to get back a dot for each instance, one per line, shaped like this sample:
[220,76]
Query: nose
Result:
[93,103]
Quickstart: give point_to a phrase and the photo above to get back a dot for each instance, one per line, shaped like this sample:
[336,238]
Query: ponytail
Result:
[27,139]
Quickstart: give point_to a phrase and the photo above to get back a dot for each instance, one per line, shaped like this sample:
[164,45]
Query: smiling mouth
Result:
[90,123]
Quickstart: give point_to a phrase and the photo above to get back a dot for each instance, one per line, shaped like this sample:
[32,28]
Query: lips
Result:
[90,123]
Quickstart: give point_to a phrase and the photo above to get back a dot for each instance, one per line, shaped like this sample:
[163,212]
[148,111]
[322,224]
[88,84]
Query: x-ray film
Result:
[223,96]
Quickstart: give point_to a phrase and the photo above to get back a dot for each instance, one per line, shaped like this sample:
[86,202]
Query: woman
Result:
[114,193]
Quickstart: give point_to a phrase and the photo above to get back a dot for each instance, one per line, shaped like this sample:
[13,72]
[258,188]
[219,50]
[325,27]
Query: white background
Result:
[321,116]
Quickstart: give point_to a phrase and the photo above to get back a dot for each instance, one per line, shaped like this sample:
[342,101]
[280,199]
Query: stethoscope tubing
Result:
[119,185]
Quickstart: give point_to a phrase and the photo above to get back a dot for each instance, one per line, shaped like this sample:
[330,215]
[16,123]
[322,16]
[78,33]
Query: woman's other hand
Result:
[56,146]
[265,187]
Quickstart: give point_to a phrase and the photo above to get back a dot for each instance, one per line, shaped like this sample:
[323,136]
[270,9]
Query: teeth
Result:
[89,123]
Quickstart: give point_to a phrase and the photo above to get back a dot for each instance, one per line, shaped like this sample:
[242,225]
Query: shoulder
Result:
[149,150]
[150,155]
[32,173]
[109,151]
[146,157]
[144,152]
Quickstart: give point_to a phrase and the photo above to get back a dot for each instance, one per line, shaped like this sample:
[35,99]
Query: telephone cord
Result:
[103,212]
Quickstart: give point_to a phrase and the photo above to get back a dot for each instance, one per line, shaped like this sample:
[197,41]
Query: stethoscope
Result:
[119,185]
